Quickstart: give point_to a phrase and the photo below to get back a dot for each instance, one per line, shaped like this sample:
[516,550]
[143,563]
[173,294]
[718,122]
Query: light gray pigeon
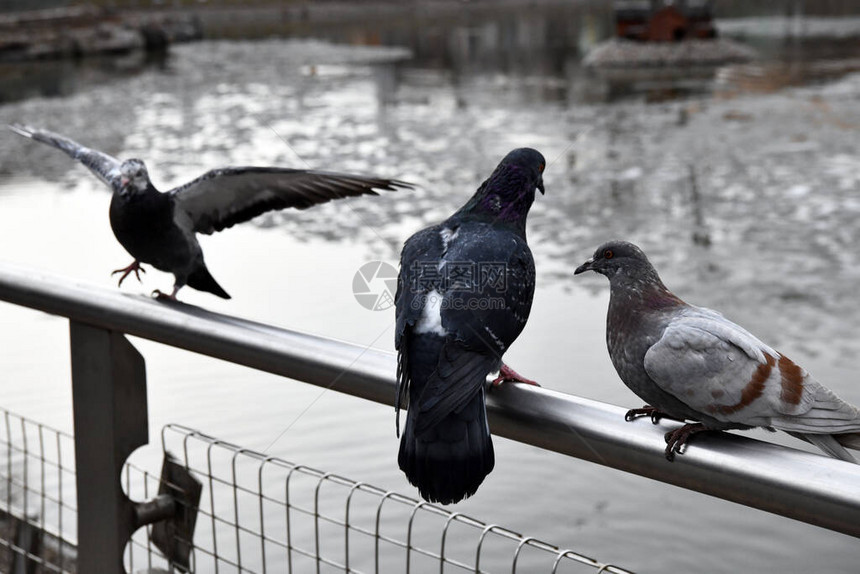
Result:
[692,364]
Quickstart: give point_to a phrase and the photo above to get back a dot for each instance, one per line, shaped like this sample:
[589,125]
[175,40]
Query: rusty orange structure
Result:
[664,21]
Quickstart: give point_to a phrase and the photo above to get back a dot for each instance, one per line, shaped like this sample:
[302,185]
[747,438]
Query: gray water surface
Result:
[746,202]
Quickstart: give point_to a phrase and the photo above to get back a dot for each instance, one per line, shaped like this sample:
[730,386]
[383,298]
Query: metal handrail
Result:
[792,483]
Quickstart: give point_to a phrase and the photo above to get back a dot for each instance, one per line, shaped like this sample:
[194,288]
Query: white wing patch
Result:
[448,235]
[431,315]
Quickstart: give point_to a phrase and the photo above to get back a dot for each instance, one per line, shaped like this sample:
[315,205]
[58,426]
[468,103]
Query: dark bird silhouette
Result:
[692,364]
[464,294]
[160,228]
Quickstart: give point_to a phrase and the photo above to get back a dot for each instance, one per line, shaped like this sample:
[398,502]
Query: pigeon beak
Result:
[123,181]
[540,186]
[587,266]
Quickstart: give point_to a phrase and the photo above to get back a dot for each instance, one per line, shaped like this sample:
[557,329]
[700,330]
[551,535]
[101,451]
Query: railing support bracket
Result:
[174,534]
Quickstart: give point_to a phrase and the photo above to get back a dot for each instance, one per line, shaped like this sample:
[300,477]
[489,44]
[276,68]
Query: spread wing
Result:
[222,198]
[720,369]
[104,166]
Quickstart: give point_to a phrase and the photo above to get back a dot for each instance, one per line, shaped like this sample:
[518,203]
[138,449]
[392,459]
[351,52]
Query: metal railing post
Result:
[110,413]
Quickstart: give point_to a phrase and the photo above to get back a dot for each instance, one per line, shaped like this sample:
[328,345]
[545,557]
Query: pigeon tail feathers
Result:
[202,280]
[849,440]
[828,443]
[448,462]
[448,458]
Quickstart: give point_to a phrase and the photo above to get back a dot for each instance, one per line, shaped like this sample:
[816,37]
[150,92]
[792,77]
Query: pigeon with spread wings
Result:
[160,228]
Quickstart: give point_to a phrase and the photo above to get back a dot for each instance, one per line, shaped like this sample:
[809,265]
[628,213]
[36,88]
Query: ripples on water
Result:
[776,176]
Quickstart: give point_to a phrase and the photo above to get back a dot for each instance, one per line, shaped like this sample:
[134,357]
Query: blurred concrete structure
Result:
[85,30]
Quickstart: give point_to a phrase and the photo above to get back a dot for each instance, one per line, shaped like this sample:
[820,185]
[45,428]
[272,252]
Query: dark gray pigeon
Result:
[692,364]
[463,296]
[160,228]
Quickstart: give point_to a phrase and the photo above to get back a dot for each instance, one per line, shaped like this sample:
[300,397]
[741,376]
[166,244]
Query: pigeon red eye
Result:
[542,166]
[608,254]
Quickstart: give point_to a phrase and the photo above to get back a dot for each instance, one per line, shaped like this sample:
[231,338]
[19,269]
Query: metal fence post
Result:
[110,413]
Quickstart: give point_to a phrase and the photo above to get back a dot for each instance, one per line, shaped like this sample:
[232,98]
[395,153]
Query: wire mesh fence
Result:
[261,514]
[37,497]
[257,514]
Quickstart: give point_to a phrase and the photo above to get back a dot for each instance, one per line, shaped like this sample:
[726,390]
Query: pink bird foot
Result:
[508,375]
[126,271]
